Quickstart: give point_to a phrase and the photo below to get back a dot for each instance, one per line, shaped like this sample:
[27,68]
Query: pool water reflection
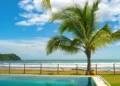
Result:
[15,80]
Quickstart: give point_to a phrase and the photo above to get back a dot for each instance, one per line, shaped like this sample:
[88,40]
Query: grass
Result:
[114,80]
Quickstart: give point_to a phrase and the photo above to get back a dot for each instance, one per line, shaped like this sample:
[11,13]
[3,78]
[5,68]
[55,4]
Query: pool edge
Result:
[100,81]
[105,81]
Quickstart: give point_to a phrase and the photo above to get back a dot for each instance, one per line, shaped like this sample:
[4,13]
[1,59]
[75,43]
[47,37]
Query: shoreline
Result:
[63,66]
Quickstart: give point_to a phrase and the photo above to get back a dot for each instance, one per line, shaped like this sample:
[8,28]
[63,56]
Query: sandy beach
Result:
[58,68]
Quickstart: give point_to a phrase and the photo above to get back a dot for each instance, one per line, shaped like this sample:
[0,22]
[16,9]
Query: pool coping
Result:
[99,81]
[105,81]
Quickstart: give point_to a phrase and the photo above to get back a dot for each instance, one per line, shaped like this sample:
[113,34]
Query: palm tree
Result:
[46,4]
[81,22]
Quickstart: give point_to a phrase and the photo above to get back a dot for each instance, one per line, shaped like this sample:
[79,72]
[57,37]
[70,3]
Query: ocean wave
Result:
[100,66]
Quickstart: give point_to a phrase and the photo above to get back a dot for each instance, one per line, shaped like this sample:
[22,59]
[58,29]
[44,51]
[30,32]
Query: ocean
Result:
[101,64]
[65,61]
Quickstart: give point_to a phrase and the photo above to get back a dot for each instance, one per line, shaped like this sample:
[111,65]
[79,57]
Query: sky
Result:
[25,28]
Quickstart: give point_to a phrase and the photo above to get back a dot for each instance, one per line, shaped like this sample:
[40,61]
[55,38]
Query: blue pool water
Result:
[18,80]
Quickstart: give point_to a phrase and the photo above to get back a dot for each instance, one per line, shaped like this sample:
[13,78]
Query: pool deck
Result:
[98,79]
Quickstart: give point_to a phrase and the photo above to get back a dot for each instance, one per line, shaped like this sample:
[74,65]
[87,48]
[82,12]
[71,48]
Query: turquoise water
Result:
[12,80]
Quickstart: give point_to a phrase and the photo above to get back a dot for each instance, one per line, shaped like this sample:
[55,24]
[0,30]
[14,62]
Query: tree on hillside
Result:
[81,22]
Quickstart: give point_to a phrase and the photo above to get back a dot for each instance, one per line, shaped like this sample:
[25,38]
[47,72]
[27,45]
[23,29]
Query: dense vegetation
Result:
[7,57]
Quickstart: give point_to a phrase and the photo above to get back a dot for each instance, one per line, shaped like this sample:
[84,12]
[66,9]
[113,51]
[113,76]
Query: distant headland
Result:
[8,57]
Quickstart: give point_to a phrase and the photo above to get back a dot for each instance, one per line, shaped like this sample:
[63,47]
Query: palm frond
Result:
[46,4]
[101,38]
[95,5]
[71,27]
[116,35]
[82,23]
[81,20]
[61,43]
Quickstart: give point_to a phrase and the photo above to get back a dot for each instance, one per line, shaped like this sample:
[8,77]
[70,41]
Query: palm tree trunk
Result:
[88,54]
[89,82]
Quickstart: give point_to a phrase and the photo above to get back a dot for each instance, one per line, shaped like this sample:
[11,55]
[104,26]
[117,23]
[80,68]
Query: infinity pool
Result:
[18,80]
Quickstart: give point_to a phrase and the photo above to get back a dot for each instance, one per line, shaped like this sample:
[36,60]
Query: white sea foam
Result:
[62,66]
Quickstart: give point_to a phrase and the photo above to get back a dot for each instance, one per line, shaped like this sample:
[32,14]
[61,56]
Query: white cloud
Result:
[39,29]
[29,15]
[26,49]
[116,27]
[36,49]
[26,5]
[36,18]
[24,23]
[33,19]
[108,10]
[32,49]
[37,5]
[29,7]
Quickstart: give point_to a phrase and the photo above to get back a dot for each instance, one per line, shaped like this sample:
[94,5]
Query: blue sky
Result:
[25,29]
[9,30]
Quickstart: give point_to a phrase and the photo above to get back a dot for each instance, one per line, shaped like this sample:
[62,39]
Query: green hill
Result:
[7,57]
